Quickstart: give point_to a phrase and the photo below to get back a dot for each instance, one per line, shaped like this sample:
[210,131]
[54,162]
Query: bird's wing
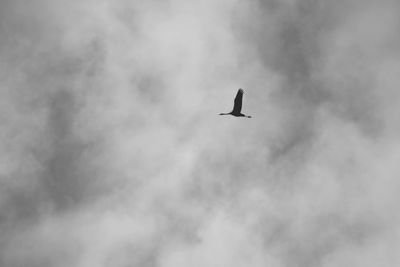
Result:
[237,107]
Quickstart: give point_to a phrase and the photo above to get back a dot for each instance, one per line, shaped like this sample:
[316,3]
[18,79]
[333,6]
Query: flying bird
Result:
[237,107]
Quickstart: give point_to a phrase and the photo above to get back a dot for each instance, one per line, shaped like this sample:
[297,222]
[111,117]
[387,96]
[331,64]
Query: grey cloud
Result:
[113,152]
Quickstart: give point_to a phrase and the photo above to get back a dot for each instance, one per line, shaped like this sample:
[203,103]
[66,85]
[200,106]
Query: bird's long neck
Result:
[224,114]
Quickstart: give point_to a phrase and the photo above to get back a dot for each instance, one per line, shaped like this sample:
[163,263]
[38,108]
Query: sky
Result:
[113,153]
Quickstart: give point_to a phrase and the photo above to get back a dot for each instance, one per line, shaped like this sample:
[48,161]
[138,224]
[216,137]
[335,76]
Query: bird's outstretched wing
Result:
[237,107]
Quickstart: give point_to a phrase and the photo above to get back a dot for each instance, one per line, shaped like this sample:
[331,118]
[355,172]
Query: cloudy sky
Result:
[112,152]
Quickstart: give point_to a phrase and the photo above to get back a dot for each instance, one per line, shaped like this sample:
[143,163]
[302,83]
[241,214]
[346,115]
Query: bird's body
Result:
[237,107]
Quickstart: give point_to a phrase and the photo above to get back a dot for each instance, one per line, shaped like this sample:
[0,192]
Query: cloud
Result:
[113,153]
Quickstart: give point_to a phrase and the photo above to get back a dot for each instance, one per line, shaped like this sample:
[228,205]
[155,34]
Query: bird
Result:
[237,107]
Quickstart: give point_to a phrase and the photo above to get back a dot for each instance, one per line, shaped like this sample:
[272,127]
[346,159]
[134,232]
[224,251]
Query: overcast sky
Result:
[112,152]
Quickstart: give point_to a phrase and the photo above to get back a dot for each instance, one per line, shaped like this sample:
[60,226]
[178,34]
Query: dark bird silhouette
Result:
[237,107]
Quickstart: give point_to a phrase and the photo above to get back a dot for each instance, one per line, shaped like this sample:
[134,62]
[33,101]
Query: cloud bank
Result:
[112,153]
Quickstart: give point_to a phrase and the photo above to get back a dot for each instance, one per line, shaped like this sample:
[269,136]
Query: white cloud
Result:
[113,152]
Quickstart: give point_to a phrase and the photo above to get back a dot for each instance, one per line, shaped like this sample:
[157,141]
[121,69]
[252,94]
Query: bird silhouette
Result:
[237,107]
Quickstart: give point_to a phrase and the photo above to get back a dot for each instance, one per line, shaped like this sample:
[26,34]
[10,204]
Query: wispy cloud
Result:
[113,152]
